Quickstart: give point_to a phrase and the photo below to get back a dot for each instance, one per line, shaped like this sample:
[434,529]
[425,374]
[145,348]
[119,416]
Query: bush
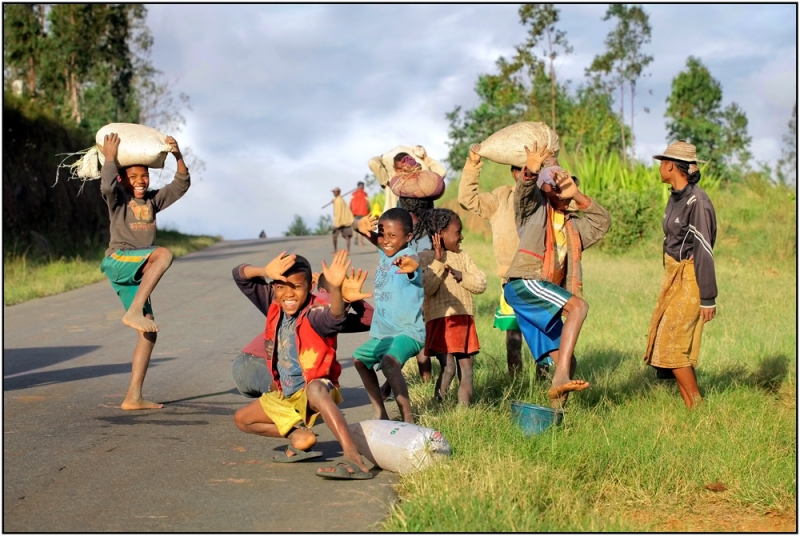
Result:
[634,214]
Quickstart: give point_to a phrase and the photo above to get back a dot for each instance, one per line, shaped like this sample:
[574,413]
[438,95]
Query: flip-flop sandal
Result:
[299,455]
[341,472]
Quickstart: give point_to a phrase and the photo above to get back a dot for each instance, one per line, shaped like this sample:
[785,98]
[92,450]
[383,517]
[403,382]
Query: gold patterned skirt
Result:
[676,327]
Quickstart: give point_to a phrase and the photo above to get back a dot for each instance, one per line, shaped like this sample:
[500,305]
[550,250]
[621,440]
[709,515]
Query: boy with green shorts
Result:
[397,331]
[133,264]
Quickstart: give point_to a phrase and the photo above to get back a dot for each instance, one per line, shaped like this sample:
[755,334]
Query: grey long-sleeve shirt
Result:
[133,221]
[690,231]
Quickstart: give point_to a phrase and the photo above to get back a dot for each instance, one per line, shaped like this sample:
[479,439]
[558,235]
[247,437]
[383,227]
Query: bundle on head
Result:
[413,181]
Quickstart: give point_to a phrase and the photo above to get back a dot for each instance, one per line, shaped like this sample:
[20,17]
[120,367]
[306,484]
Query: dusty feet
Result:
[558,393]
[139,322]
[141,403]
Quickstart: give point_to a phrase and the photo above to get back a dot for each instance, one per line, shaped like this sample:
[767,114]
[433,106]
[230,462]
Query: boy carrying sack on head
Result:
[133,264]
[450,278]
[397,331]
[544,279]
[300,342]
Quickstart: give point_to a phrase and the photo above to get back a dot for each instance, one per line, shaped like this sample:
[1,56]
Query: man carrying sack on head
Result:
[342,220]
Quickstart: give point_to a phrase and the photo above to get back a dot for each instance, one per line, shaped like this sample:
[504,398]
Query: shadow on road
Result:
[70,375]
[18,360]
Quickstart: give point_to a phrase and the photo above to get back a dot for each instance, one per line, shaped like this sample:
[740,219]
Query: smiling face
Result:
[136,179]
[392,237]
[291,295]
[451,235]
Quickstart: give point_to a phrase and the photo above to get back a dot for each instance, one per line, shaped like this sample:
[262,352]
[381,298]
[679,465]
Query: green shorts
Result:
[124,269]
[401,348]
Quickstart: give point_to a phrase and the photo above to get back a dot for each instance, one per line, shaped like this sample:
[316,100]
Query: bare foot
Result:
[558,393]
[130,405]
[139,322]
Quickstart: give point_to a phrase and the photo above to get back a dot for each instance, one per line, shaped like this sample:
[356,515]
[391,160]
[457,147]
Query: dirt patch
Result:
[717,518]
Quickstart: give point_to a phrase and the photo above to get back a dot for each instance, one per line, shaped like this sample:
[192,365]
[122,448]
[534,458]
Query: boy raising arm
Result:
[133,264]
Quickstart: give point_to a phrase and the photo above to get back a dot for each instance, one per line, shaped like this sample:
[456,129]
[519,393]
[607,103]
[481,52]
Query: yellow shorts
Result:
[286,413]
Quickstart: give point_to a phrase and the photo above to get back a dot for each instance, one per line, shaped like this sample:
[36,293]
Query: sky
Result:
[290,101]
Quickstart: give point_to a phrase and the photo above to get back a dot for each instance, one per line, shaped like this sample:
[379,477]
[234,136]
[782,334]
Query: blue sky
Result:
[289,101]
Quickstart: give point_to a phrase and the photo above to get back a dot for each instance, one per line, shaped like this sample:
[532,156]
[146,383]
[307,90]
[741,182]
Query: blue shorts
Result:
[537,306]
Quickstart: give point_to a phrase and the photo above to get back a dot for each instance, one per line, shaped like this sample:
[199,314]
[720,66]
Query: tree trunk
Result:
[633,135]
[552,84]
[622,121]
[31,76]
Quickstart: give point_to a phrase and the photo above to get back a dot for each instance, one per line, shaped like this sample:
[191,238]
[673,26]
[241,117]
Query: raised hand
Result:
[175,149]
[110,146]
[438,249]
[567,187]
[473,158]
[277,266]
[314,279]
[367,224]
[337,271]
[351,288]
[535,157]
[406,264]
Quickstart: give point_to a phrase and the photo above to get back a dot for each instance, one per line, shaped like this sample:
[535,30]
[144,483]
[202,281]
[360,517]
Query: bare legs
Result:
[394,375]
[576,310]
[687,383]
[157,263]
[252,420]
[141,360]
[514,351]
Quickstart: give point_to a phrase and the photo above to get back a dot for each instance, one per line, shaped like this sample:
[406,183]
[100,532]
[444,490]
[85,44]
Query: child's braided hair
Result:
[422,208]
[437,220]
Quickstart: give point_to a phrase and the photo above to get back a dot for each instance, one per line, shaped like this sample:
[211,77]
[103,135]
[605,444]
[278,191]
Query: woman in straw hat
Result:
[689,287]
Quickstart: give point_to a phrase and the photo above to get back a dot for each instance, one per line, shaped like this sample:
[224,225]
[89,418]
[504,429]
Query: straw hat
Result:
[680,150]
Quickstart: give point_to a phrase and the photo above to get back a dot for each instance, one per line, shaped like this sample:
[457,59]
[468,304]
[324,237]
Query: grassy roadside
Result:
[629,457]
[27,277]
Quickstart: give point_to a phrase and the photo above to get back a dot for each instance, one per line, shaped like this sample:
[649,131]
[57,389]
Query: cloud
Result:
[291,100]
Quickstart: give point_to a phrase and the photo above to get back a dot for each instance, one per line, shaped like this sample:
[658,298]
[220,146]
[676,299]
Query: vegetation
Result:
[33,273]
[629,457]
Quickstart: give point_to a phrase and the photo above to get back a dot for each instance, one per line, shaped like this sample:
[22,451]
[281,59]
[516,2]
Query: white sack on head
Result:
[398,446]
[138,145]
[507,145]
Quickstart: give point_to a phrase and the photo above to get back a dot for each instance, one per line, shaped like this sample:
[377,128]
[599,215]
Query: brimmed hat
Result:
[680,150]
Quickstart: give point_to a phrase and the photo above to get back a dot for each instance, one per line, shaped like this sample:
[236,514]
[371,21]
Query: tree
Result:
[787,165]
[298,227]
[324,225]
[694,113]
[623,62]
[22,36]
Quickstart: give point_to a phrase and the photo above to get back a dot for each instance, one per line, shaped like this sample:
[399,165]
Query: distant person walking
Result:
[262,234]
[342,220]
[359,206]
[689,287]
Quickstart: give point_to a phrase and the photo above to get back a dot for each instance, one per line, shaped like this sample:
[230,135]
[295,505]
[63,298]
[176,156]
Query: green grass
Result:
[27,277]
[629,457]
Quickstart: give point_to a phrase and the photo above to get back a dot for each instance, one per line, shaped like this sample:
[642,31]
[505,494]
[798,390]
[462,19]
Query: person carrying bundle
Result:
[133,264]
[544,280]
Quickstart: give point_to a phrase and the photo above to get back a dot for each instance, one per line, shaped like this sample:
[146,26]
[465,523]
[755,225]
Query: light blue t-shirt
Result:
[289,369]
[398,300]
[422,244]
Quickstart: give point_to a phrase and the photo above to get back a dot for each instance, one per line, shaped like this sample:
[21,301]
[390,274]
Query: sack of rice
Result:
[398,446]
[507,146]
[138,145]
[417,184]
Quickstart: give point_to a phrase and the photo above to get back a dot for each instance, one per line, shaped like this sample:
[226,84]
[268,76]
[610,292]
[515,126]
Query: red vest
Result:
[317,354]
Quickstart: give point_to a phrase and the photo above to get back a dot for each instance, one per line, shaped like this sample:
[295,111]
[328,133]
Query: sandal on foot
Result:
[341,472]
[299,455]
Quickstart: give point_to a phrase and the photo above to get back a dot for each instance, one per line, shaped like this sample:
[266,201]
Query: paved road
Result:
[73,461]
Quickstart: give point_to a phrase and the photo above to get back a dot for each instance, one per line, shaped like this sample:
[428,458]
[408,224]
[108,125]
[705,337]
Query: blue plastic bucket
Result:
[534,419]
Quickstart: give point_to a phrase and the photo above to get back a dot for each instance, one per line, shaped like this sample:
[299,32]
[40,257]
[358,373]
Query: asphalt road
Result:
[73,461]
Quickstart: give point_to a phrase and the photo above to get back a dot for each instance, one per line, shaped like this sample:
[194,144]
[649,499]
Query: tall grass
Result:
[28,276]
[629,457]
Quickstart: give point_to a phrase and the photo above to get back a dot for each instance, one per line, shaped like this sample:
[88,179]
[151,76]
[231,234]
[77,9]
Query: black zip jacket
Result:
[690,231]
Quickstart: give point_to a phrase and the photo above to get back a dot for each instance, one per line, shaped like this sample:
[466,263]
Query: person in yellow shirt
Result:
[342,220]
